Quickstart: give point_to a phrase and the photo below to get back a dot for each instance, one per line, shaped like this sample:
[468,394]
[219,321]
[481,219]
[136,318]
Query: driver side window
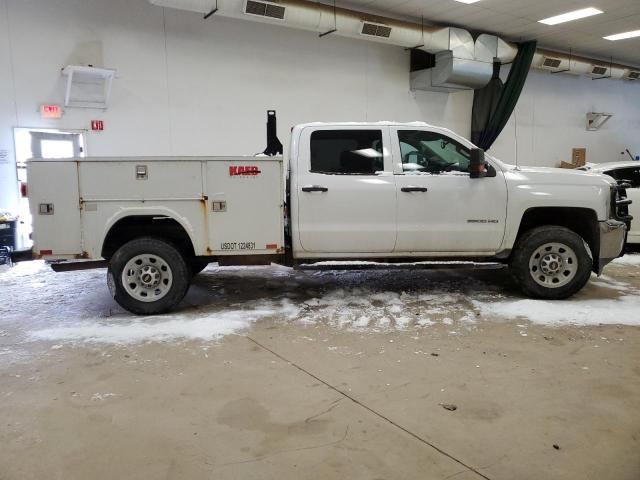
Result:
[432,153]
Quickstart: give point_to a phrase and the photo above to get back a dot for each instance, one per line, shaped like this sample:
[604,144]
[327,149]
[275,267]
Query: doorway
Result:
[41,143]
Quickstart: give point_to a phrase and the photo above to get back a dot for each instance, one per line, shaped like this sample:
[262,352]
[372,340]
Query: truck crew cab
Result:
[380,192]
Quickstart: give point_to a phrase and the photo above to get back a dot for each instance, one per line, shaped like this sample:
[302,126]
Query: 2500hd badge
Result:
[238,246]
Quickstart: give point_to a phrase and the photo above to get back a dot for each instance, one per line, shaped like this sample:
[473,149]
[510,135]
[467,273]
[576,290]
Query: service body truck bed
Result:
[226,205]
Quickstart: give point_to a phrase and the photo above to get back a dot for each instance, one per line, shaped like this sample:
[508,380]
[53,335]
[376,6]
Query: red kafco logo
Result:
[248,171]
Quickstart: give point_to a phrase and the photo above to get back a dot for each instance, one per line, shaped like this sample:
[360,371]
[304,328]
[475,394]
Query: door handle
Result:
[315,188]
[411,189]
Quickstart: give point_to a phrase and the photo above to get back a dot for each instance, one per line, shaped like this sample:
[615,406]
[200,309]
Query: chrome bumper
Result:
[612,236]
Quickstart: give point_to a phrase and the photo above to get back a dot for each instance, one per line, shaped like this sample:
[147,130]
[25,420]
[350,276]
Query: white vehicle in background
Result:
[629,173]
[386,193]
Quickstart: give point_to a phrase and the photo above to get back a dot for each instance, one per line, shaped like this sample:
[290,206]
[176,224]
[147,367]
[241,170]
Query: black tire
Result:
[523,257]
[173,260]
[198,265]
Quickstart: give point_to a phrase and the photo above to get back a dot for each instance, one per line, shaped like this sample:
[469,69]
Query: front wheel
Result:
[551,263]
[148,276]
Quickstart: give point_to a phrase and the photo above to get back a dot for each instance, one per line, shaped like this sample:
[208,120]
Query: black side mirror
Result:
[477,166]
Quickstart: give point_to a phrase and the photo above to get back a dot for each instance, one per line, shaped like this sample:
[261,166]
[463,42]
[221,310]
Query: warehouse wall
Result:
[551,119]
[187,86]
[8,185]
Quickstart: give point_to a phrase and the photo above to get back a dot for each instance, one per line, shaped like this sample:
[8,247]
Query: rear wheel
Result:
[148,276]
[551,263]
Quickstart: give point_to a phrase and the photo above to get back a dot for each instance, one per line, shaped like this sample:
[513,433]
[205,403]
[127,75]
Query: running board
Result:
[458,265]
[74,266]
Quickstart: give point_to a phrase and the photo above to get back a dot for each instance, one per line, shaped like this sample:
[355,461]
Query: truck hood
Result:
[556,176]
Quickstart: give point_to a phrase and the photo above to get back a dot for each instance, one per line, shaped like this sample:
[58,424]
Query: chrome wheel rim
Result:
[553,265]
[147,278]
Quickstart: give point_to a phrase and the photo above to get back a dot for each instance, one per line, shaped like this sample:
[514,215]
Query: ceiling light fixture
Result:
[623,36]
[467,1]
[569,16]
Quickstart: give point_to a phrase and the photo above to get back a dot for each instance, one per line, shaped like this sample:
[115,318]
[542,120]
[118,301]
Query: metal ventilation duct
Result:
[469,63]
[556,62]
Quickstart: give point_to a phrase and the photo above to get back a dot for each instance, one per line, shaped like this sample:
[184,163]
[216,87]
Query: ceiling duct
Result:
[577,65]
[465,65]
[320,17]
[461,62]
[450,74]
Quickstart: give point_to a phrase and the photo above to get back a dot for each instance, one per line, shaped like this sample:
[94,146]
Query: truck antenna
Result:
[274,147]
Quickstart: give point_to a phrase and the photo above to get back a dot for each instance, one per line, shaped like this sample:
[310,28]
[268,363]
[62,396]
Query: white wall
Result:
[187,86]
[8,184]
[551,120]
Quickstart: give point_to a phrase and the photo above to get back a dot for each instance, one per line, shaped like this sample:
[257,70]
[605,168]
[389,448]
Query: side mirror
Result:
[477,166]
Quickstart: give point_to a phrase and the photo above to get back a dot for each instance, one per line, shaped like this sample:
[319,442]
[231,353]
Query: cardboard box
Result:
[579,157]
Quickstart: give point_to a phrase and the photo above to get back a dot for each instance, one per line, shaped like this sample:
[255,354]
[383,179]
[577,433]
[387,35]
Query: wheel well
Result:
[582,221]
[162,227]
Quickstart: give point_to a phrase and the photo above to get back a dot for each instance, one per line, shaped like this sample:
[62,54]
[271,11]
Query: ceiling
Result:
[517,20]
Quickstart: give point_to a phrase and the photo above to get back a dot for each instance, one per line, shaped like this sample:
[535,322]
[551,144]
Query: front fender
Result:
[526,196]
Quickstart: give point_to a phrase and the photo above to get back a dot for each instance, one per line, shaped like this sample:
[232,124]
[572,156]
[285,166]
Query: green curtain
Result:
[494,104]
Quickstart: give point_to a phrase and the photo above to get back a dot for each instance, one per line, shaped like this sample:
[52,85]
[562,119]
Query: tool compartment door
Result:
[246,203]
[55,207]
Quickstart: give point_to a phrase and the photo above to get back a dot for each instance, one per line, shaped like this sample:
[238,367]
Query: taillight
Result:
[23,190]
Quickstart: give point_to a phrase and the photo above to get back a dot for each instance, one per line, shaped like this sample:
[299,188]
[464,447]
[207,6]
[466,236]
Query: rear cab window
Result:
[347,152]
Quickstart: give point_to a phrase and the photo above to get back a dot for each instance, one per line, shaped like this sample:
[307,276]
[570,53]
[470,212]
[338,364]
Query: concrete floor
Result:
[309,400]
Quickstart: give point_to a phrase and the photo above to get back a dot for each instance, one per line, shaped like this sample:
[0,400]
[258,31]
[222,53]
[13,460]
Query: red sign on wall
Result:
[97,125]
[50,111]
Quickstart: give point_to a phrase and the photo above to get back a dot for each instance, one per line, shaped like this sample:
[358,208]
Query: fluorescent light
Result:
[623,36]
[569,16]
[467,1]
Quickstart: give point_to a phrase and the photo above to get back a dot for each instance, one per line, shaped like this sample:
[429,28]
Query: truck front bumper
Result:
[612,236]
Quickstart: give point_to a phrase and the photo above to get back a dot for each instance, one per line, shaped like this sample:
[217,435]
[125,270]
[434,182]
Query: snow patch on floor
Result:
[360,309]
[628,259]
[625,310]
[208,326]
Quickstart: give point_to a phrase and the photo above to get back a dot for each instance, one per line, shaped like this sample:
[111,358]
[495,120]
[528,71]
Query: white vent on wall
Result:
[264,9]
[87,87]
[375,30]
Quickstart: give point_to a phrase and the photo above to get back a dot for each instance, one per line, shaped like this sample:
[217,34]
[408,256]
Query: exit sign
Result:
[97,125]
[50,111]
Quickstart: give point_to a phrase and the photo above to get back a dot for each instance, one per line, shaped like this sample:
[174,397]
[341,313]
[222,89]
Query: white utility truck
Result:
[390,193]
